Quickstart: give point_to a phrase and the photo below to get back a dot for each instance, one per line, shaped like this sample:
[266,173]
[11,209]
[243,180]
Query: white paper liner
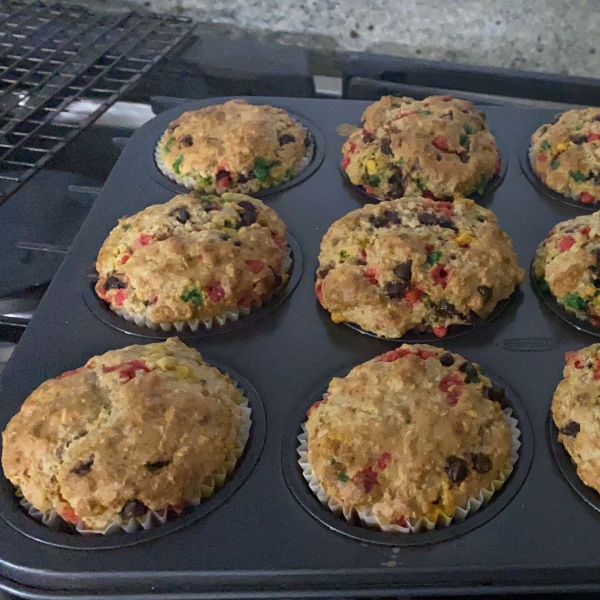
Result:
[194,324]
[369,520]
[250,187]
[155,518]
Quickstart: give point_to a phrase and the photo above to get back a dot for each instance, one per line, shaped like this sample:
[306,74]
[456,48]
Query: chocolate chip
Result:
[556,118]
[324,272]
[456,469]
[396,180]
[495,393]
[403,271]
[447,308]
[153,467]
[83,468]
[180,214]
[247,206]
[571,429]
[242,178]
[222,174]
[286,138]
[448,115]
[225,237]
[438,157]
[445,223]
[396,290]
[246,219]
[486,292]
[238,244]
[579,139]
[470,370]
[278,279]
[186,141]
[464,157]
[481,463]
[307,140]
[133,508]
[378,221]
[447,359]
[426,218]
[596,283]
[386,147]
[392,217]
[368,137]
[114,283]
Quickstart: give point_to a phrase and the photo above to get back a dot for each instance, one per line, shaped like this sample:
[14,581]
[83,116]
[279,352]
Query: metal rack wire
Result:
[51,56]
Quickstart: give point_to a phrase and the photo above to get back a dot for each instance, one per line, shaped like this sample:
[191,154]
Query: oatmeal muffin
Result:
[233,147]
[141,428]
[195,259]
[565,155]
[415,264]
[411,434]
[567,263]
[575,412]
[440,147]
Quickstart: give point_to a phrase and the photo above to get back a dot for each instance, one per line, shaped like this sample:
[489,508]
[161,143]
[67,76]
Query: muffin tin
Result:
[270,537]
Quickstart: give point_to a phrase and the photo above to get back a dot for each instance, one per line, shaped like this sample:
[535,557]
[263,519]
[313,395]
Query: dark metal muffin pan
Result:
[304,495]
[105,314]
[543,188]
[66,537]
[482,199]
[560,311]
[149,144]
[260,541]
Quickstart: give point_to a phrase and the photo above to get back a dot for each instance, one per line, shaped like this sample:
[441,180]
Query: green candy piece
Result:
[545,145]
[577,176]
[543,285]
[374,180]
[192,294]
[126,227]
[481,185]
[574,301]
[343,255]
[343,477]
[434,257]
[168,144]
[470,130]
[463,140]
[177,164]
[555,164]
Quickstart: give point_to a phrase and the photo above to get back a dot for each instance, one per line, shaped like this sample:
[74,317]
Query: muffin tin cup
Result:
[367,518]
[454,331]
[568,468]
[228,321]
[156,169]
[482,199]
[578,322]
[525,162]
[50,528]
[156,518]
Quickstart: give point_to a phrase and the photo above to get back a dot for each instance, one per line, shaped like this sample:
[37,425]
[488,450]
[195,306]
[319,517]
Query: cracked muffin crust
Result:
[575,412]
[565,155]
[194,258]
[135,429]
[412,433]
[415,264]
[439,147]
[233,147]
[567,263]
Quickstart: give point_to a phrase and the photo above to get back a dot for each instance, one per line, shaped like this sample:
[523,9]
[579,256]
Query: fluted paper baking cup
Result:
[414,526]
[249,187]
[155,518]
[141,320]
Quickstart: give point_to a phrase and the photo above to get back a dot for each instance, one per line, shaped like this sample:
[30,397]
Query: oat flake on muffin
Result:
[147,427]
[415,264]
[440,147]
[233,147]
[193,259]
[414,433]
[565,155]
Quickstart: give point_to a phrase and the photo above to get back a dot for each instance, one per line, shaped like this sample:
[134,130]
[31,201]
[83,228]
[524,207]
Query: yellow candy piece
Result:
[337,317]
[183,371]
[371,167]
[464,238]
[166,363]
[562,147]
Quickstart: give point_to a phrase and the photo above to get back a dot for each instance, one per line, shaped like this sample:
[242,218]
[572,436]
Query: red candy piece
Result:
[124,258]
[352,147]
[144,239]
[345,162]
[318,403]
[445,99]
[223,181]
[256,266]
[276,239]
[597,370]
[439,331]
[69,373]
[369,189]
[541,158]
[498,167]
[68,514]
[120,297]
[593,137]
[587,198]
[246,300]
[450,384]
[128,370]
[401,520]
[585,231]
[565,243]
[425,354]
[413,296]
[367,478]
[382,461]
[440,274]
[318,291]
[393,355]
[215,293]
[428,194]
[441,143]
[372,274]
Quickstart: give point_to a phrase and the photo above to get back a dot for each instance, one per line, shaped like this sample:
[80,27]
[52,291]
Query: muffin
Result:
[567,264]
[565,155]
[575,412]
[408,438]
[195,260]
[143,428]
[233,147]
[415,264]
[439,147]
